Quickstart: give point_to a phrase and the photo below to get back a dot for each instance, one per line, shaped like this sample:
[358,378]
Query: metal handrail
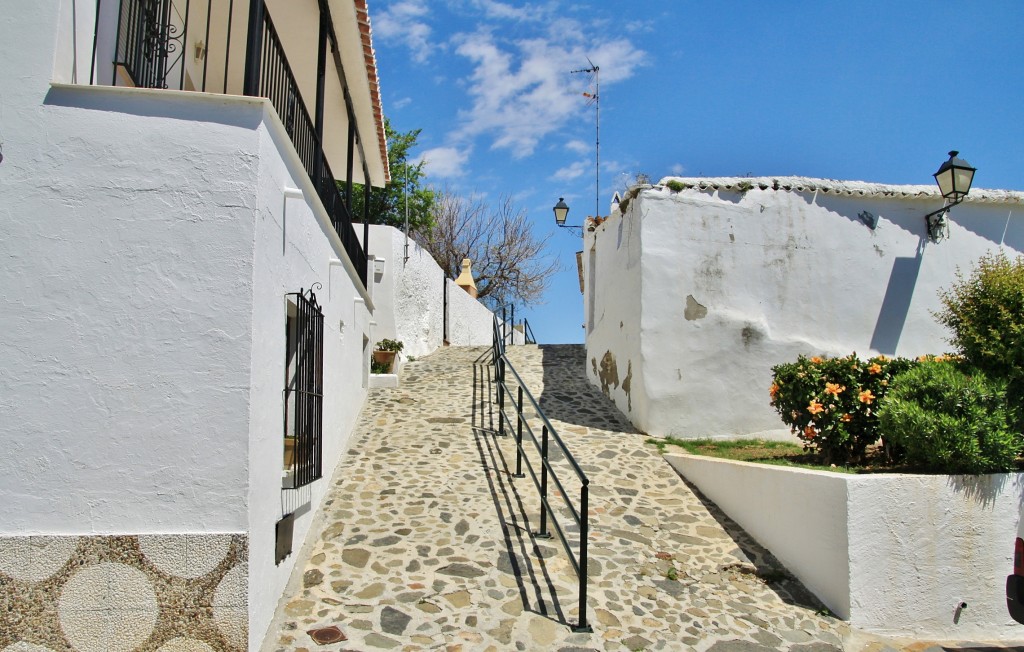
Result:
[528,335]
[580,516]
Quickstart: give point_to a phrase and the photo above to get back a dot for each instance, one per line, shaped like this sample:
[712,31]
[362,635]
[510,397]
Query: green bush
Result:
[985,313]
[831,403]
[949,420]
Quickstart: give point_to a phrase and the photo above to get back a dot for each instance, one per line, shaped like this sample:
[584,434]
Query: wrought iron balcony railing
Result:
[187,45]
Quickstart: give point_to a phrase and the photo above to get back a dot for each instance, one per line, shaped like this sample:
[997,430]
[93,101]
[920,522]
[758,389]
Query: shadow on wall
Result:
[569,397]
[763,566]
[892,316]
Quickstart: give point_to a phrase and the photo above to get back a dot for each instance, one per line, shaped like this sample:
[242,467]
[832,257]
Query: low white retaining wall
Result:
[890,553]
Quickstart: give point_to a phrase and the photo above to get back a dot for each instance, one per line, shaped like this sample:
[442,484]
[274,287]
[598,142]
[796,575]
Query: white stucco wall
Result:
[295,248]
[733,283]
[125,394]
[408,293]
[470,323]
[409,296]
[149,245]
[893,554]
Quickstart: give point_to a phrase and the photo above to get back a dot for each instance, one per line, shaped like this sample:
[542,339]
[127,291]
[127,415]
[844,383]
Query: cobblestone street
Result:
[424,540]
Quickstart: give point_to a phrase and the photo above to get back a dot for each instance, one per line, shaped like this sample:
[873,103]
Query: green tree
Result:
[388,204]
[985,312]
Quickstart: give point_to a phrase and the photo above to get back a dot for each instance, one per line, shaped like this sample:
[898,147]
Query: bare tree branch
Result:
[510,263]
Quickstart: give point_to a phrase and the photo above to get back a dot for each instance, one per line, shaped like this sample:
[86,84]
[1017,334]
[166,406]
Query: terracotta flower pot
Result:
[385,357]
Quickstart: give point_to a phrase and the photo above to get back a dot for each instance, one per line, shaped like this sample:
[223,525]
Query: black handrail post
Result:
[318,119]
[519,437]
[543,533]
[584,534]
[513,329]
[500,378]
[254,48]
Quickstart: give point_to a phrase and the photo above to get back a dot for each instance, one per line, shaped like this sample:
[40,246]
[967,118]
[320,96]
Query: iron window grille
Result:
[303,391]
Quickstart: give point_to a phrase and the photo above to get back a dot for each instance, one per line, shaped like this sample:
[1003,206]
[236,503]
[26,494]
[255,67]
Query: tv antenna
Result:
[595,99]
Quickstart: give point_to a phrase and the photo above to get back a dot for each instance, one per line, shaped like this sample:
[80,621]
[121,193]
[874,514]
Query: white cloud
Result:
[571,172]
[677,169]
[504,11]
[578,146]
[522,91]
[398,104]
[404,22]
[444,162]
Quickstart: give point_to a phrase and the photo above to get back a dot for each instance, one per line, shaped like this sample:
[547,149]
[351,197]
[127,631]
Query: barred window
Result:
[303,390]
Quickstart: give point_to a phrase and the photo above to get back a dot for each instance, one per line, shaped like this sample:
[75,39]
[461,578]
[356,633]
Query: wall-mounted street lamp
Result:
[561,212]
[954,178]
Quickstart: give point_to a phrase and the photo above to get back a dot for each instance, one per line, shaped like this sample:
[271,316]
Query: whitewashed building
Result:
[184,308]
[691,295]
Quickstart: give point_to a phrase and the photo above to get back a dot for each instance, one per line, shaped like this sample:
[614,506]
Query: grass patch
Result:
[764,451]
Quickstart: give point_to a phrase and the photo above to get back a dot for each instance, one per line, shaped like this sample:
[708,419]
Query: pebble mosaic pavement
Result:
[424,540]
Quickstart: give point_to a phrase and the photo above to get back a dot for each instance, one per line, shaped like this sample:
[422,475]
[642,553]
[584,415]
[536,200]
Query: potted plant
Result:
[385,352]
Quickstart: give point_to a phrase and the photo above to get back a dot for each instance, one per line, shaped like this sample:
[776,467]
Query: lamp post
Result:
[954,178]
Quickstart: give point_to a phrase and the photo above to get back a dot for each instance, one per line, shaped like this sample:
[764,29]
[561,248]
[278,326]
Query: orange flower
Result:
[809,432]
[815,407]
[846,418]
[834,388]
[773,390]
[883,358]
[875,368]
[922,358]
[866,396]
[816,360]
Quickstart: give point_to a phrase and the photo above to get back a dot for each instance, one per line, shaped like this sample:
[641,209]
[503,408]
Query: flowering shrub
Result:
[831,404]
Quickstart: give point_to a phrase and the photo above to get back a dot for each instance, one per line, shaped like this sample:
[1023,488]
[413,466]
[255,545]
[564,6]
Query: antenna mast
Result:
[595,99]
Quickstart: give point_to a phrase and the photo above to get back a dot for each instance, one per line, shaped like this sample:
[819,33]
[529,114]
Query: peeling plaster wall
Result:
[733,283]
[612,287]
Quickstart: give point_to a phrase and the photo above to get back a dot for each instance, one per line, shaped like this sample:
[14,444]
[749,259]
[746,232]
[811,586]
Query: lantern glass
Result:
[955,177]
[561,211]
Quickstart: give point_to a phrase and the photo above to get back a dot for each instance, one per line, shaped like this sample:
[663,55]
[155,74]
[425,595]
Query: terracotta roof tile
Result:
[366,32]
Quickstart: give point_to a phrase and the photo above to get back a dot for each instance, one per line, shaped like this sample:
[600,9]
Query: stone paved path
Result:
[425,540]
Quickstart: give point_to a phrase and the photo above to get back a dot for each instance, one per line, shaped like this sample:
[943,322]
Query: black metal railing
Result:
[167,44]
[528,336]
[277,83]
[304,390]
[548,477]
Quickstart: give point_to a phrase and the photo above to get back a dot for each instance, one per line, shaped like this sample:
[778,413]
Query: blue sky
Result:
[874,91]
